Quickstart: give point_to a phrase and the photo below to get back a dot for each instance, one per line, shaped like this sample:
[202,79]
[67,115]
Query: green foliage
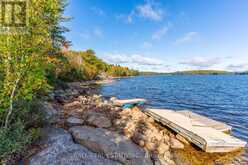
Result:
[23,56]
[35,133]
[119,71]
[29,117]
[23,71]
[85,65]
[13,140]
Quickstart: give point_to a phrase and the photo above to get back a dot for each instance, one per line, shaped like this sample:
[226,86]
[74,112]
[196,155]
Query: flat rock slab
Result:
[73,121]
[111,144]
[98,120]
[62,150]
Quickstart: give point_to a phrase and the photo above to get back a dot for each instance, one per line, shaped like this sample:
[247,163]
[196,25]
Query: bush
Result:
[22,131]
[13,140]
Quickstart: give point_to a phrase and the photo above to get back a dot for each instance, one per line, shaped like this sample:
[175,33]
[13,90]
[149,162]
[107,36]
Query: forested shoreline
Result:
[32,64]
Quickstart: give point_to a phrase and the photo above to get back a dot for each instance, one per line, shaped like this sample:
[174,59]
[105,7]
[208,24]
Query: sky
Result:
[162,35]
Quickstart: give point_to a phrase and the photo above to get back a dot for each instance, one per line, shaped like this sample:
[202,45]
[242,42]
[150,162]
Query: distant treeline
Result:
[209,72]
[202,72]
[196,72]
[241,73]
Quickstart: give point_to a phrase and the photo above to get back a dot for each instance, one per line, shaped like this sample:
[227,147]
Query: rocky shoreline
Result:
[86,128]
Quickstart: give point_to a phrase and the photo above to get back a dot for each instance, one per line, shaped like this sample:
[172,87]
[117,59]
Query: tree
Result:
[23,55]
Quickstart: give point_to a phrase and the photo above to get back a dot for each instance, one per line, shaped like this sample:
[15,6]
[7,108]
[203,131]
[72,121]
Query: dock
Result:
[207,121]
[205,133]
[128,101]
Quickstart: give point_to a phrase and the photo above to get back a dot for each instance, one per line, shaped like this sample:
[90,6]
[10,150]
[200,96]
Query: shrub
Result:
[25,129]
[13,140]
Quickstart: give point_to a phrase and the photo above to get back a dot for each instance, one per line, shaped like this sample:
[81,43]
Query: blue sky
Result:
[165,35]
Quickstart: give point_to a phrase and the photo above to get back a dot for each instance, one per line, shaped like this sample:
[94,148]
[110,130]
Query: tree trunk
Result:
[10,110]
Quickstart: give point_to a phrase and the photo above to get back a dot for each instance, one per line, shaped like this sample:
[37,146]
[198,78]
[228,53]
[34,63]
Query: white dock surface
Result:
[128,101]
[199,133]
[207,121]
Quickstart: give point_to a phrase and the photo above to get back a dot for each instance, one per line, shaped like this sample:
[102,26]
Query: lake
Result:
[220,97]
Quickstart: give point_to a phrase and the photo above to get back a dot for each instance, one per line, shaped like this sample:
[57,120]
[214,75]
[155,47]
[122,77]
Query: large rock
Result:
[62,150]
[111,144]
[51,114]
[98,120]
[73,121]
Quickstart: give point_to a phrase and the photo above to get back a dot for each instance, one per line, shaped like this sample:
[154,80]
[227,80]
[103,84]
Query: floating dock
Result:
[205,133]
[207,121]
[128,101]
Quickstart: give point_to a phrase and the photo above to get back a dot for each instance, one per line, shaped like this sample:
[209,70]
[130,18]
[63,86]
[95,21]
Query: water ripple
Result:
[224,98]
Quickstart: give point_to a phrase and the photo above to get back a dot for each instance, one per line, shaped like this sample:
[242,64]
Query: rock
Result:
[162,148]
[151,120]
[141,143]
[176,144]
[82,99]
[60,96]
[165,135]
[62,150]
[72,104]
[73,121]
[112,99]
[167,157]
[96,97]
[111,144]
[98,120]
[51,114]
[115,108]
[182,139]
[150,146]
[160,160]
[72,92]
[138,138]
[105,102]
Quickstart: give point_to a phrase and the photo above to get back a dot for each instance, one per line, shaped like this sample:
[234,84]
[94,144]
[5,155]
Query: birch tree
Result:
[23,55]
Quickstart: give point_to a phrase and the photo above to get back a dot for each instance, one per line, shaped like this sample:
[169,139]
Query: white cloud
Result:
[139,59]
[149,11]
[202,62]
[117,59]
[132,59]
[97,11]
[160,33]
[188,37]
[139,62]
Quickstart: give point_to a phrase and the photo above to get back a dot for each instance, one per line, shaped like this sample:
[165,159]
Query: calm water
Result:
[224,98]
